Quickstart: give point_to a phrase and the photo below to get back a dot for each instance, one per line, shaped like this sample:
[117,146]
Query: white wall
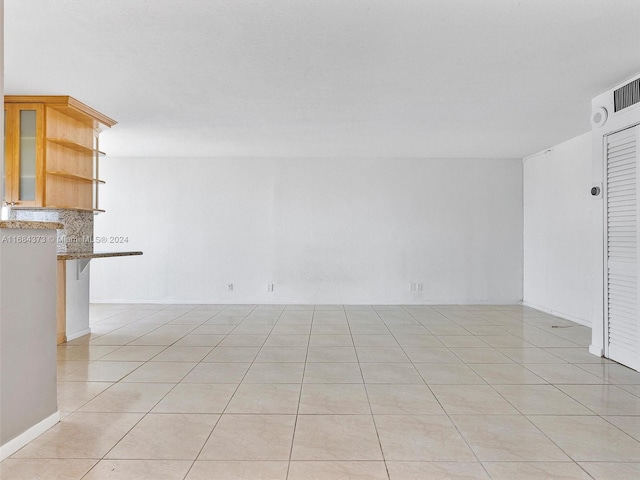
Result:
[28,401]
[321,230]
[561,231]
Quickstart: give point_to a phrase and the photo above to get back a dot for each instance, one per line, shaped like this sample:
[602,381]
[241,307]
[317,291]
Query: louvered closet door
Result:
[623,330]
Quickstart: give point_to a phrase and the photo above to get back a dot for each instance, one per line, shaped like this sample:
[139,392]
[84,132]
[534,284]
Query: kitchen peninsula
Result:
[27,316]
[52,175]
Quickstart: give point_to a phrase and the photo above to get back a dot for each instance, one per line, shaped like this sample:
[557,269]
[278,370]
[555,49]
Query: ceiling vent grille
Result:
[626,96]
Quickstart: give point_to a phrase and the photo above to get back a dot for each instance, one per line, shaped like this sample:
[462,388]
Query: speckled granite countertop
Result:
[89,255]
[28,224]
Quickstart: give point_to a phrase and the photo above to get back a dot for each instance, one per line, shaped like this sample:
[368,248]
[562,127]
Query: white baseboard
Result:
[12,446]
[596,350]
[555,313]
[79,334]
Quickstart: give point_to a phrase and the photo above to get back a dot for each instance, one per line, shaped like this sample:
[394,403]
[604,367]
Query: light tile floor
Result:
[175,392]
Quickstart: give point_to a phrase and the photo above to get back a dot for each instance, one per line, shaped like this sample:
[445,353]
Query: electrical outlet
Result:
[270,287]
[419,287]
[412,287]
[230,287]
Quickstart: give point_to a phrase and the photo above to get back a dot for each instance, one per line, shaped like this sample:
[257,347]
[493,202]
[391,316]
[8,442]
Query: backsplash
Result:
[77,234]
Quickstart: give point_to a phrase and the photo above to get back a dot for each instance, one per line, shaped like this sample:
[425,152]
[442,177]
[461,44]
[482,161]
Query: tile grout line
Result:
[521,414]
[149,412]
[223,410]
[446,413]
[295,422]
[120,439]
[131,429]
[525,417]
[373,417]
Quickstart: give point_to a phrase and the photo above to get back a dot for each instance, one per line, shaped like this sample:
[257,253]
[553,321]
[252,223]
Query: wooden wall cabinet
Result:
[52,152]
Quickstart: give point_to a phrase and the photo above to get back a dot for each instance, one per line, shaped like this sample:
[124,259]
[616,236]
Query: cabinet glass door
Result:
[27,149]
[6,159]
[24,156]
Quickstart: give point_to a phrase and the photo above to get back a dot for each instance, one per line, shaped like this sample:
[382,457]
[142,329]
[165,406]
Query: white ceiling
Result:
[326,78]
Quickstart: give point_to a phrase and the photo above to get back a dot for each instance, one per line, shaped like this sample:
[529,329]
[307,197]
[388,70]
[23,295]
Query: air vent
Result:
[626,96]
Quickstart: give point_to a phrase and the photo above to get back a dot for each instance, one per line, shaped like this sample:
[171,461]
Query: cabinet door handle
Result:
[9,204]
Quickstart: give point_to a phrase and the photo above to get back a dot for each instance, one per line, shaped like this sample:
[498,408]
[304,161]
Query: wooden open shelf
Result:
[71,176]
[75,146]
